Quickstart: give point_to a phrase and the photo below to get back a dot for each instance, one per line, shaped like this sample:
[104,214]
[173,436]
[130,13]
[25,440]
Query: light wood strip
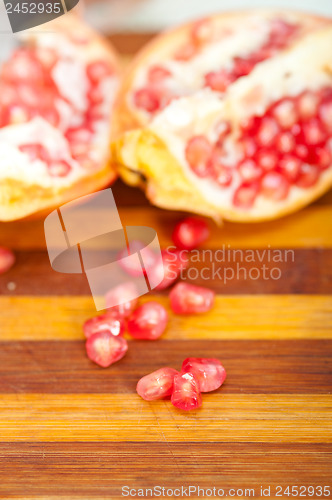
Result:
[233,317]
[109,417]
[308,228]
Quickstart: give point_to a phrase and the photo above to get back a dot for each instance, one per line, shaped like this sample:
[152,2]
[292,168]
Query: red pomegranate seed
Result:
[268,132]
[186,394]
[198,153]
[47,56]
[135,268]
[174,262]
[209,372]
[249,147]
[308,105]
[314,132]
[98,70]
[323,158]
[245,195]
[290,167]
[108,322]
[222,175]
[51,115]
[275,186]
[191,299]
[190,232]
[325,113]
[147,99]
[157,385]
[308,176]
[286,114]
[218,80]
[7,259]
[122,299]
[302,152]
[23,65]
[266,159]
[250,171]
[286,143]
[105,349]
[148,321]
[157,74]
[35,151]
[59,168]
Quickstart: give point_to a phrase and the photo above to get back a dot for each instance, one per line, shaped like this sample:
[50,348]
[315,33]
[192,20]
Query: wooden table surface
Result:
[69,429]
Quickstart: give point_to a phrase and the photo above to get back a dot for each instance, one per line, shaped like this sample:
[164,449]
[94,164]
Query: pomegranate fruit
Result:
[7,259]
[104,349]
[186,394]
[190,233]
[157,385]
[209,372]
[191,299]
[148,322]
[109,322]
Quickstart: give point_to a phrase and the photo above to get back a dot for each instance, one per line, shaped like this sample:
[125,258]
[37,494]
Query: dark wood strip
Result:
[130,44]
[310,272]
[254,367]
[101,469]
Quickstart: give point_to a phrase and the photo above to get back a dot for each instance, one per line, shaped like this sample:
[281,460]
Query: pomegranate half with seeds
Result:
[56,97]
[241,123]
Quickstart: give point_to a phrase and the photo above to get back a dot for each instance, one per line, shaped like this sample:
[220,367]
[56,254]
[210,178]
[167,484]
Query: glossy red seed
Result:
[7,259]
[157,74]
[105,349]
[186,394]
[59,168]
[108,322]
[290,167]
[275,186]
[314,132]
[307,105]
[245,195]
[98,70]
[267,132]
[323,157]
[174,262]
[325,113]
[308,176]
[191,299]
[209,372]
[218,80]
[35,151]
[266,159]
[148,321]
[23,66]
[286,113]
[190,233]
[122,299]
[201,31]
[250,171]
[286,143]
[222,175]
[198,153]
[133,267]
[147,99]
[157,385]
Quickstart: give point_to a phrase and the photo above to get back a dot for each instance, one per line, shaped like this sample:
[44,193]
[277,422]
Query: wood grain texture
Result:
[262,317]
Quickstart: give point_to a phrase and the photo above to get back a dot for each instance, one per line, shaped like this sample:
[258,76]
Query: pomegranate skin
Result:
[148,322]
[209,372]
[191,299]
[104,349]
[157,385]
[190,233]
[7,259]
[109,321]
[186,394]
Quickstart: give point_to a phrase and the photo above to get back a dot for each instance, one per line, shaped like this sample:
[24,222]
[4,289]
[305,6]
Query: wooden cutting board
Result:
[69,429]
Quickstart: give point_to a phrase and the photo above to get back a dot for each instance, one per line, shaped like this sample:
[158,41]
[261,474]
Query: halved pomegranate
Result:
[186,394]
[157,385]
[105,349]
[191,299]
[51,86]
[209,372]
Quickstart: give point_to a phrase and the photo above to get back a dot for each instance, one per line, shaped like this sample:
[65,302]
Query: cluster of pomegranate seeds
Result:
[109,321]
[7,259]
[190,233]
[197,375]
[191,299]
[104,348]
[148,322]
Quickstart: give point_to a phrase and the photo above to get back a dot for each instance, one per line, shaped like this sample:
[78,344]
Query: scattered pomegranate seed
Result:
[245,195]
[198,153]
[7,259]
[186,394]
[147,99]
[134,268]
[35,152]
[191,299]
[275,186]
[105,349]
[174,262]
[157,385]
[157,74]
[148,321]
[98,70]
[122,299]
[108,322]
[209,372]
[190,233]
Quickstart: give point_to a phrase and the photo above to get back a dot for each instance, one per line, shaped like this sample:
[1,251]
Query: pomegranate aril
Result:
[51,115]
[267,160]
[147,99]
[323,157]
[173,262]
[23,66]
[314,132]
[186,394]
[250,171]
[222,175]
[209,372]
[186,52]
[223,129]
[191,299]
[157,74]
[134,267]
[245,195]
[267,132]
[290,167]
[148,321]
[7,259]
[157,385]
[286,143]
[98,70]
[286,114]
[218,80]
[105,349]
[59,168]
[275,186]
[325,113]
[198,153]
[35,151]
[308,104]
[308,176]
[201,31]
[190,233]
[108,322]
[122,299]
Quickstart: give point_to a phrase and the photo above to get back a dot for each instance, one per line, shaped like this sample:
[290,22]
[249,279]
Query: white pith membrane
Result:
[305,67]
[67,88]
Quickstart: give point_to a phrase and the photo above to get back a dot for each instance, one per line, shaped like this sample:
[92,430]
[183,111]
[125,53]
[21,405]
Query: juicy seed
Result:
[218,80]
[266,159]
[109,322]
[157,74]
[267,132]
[314,132]
[245,195]
[157,385]
[191,299]
[209,372]
[325,113]
[59,168]
[147,99]
[174,263]
[198,153]
[275,186]
[286,113]
[134,268]
[98,70]
[122,299]
[290,167]
[148,322]
[186,394]
[190,233]
[105,349]
[308,105]
[250,171]
[35,152]
[7,259]
[286,142]
[308,176]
